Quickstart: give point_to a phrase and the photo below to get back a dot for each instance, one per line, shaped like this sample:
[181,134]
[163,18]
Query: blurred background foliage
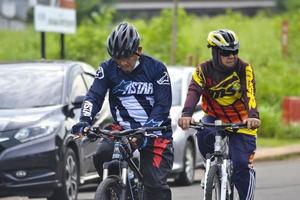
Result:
[260,36]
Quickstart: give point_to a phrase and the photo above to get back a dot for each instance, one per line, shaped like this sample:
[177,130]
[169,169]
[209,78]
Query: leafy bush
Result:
[272,125]
[26,45]
[89,44]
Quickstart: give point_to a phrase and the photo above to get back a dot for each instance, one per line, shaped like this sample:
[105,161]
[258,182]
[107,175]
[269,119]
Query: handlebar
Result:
[96,132]
[218,124]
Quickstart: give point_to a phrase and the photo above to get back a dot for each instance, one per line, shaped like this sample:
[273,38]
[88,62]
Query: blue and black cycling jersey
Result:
[142,97]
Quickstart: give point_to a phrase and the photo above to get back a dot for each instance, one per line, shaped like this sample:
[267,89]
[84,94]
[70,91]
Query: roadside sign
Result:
[53,19]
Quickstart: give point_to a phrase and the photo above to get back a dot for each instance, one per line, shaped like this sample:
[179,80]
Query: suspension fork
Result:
[224,178]
[207,167]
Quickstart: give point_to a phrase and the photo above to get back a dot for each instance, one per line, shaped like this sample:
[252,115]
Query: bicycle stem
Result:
[218,140]
[124,175]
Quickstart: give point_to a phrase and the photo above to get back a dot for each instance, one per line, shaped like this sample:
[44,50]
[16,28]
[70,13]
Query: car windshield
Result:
[29,87]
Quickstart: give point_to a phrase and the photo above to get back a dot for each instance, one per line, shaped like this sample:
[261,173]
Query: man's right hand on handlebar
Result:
[184,122]
[80,128]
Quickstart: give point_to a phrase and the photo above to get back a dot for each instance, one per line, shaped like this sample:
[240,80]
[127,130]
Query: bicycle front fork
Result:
[223,176]
[224,179]
[123,174]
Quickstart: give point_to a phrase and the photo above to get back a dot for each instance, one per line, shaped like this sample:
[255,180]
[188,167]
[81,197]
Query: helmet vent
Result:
[217,38]
[123,41]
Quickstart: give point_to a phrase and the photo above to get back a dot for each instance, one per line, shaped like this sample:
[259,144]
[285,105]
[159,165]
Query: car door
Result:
[79,87]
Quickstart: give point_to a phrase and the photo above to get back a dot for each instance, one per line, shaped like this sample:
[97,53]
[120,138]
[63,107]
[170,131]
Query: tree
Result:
[85,8]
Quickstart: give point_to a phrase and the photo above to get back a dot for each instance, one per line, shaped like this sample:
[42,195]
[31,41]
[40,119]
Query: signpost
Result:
[174,32]
[54,19]
[285,34]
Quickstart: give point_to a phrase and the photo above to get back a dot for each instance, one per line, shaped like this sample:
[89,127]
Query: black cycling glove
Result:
[79,127]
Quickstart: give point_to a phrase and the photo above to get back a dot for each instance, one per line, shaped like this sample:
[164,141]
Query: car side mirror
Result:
[69,110]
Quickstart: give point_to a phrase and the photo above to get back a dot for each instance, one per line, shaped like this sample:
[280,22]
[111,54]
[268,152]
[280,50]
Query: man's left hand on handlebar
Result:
[80,129]
[252,123]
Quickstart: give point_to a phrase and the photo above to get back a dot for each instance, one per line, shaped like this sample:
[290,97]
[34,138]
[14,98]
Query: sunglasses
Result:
[228,53]
[130,56]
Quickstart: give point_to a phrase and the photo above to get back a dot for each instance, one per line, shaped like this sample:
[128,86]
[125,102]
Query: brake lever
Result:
[146,134]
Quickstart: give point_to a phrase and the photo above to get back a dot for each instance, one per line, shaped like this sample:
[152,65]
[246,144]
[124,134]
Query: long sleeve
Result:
[249,95]
[95,96]
[194,93]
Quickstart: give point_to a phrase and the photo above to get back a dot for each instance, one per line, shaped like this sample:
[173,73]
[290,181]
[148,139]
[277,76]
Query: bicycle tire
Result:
[213,184]
[109,189]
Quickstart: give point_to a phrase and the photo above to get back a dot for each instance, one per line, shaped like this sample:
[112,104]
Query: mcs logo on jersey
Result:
[131,87]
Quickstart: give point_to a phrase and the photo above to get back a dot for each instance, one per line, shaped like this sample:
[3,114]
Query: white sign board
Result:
[53,19]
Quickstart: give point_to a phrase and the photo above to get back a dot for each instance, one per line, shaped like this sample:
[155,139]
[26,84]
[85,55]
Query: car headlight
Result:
[37,131]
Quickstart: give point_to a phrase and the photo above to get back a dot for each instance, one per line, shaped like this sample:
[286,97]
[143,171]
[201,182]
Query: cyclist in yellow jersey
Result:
[226,85]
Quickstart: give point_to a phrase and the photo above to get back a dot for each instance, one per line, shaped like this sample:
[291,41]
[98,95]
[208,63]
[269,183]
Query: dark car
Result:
[39,103]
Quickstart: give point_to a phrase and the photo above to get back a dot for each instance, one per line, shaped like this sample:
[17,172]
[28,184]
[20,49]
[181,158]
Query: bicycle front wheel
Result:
[213,184]
[109,189]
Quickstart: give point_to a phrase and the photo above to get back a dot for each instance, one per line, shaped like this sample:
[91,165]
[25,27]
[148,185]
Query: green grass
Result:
[272,142]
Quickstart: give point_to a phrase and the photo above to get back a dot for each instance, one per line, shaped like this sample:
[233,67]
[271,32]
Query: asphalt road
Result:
[276,180]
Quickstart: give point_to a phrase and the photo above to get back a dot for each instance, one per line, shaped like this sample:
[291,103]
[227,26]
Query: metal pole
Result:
[174,33]
[285,34]
[62,46]
[43,45]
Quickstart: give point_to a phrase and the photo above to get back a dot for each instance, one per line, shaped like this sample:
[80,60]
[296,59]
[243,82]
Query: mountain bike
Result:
[122,179]
[218,182]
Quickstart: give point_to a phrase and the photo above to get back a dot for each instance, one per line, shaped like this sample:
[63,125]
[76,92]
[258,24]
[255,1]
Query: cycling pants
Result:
[241,150]
[156,160]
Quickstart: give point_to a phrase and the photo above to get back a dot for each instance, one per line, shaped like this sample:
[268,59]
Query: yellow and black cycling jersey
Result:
[228,96]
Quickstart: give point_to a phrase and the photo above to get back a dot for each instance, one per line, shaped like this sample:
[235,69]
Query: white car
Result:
[186,153]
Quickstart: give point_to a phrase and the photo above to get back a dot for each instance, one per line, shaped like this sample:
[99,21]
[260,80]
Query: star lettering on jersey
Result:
[153,123]
[121,87]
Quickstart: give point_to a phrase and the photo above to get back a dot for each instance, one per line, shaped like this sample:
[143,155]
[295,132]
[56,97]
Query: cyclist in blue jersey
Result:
[139,95]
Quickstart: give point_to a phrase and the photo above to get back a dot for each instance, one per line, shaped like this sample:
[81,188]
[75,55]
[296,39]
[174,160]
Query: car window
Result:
[89,80]
[78,87]
[28,87]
